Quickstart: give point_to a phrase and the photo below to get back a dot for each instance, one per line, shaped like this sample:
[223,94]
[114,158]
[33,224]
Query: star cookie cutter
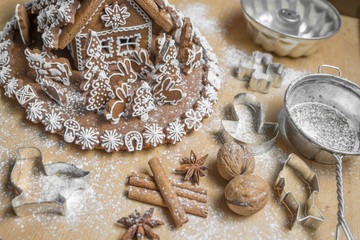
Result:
[269,130]
[310,216]
[27,161]
[261,72]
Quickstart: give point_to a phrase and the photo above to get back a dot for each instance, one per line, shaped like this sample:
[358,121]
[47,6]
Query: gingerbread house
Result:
[121,25]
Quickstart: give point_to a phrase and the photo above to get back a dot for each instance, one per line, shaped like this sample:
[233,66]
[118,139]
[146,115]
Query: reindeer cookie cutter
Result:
[261,72]
[26,161]
[306,213]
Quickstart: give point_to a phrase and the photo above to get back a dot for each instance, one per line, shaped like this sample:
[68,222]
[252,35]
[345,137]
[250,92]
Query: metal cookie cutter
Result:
[261,72]
[306,212]
[27,161]
[268,130]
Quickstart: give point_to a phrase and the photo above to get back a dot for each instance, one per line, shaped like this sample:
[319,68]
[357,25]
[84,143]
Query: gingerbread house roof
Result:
[158,15]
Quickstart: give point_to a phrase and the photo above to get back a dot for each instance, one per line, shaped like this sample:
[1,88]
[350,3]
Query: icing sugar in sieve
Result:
[326,125]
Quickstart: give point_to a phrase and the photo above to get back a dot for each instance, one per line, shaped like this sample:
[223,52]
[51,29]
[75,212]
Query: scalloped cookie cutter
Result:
[261,72]
[312,217]
[268,129]
[27,160]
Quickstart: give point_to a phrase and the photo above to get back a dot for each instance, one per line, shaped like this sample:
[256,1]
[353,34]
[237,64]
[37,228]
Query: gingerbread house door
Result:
[121,25]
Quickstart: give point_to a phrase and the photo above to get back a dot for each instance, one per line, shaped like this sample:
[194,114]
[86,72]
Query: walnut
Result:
[247,194]
[234,159]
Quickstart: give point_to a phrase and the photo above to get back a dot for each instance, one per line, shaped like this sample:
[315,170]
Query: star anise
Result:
[192,167]
[140,226]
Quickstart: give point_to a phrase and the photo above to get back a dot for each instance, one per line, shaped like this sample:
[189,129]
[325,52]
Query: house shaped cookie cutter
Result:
[312,217]
[26,159]
[261,73]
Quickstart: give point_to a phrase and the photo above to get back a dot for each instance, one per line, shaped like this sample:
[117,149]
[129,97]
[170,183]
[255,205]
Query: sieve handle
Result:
[330,66]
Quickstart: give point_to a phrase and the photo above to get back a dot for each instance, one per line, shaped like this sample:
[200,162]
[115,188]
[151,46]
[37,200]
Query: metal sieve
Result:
[323,124]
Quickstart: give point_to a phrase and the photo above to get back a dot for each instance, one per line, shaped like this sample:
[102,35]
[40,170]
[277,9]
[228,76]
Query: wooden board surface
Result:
[93,212]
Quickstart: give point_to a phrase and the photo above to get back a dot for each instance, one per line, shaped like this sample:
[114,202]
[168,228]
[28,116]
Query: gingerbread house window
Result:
[126,44]
[107,46]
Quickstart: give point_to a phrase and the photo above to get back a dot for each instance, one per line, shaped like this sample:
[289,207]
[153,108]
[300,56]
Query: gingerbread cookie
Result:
[51,16]
[167,75]
[23,23]
[116,108]
[121,91]
[143,102]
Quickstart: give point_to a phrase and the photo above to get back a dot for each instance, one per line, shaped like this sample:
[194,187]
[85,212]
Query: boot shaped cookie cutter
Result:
[310,216]
[27,159]
[268,129]
[261,72]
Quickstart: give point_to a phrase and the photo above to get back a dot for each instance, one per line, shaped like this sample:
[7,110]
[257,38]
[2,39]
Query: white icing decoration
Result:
[53,121]
[87,137]
[132,137]
[127,42]
[125,69]
[154,135]
[111,140]
[100,93]
[193,119]
[175,131]
[71,128]
[143,102]
[121,30]
[35,111]
[96,60]
[10,87]
[140,58]
[116,16]
[210,93]
[4,61]
[46,69]
[204,106]
[25,94]
[192,54]
[121,94]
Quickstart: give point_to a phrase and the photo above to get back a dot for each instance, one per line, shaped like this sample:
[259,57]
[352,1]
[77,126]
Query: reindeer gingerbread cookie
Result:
[113,75]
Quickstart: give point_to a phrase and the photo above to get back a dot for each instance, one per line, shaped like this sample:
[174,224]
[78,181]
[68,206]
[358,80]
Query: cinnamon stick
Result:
[149,184]
[168,193]
[173,182]
[154,197]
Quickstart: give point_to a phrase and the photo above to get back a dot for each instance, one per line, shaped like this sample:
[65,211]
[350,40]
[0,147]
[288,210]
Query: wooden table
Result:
[94,212]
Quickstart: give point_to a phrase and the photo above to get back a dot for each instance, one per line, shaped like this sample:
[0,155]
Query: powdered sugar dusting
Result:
[92,212]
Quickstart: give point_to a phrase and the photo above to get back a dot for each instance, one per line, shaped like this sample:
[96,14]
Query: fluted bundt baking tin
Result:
[291,27]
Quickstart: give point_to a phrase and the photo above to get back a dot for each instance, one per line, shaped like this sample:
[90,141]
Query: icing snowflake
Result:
[111,140]
[25,94]
[35,111]
[116,16]
[4,74]
[175,131]
[53,121]
[10,87]
[153,135]
[193,119]
[210,93]
[204,106]
[87,137]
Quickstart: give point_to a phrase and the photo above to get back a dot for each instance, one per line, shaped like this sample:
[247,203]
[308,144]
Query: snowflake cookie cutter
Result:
[306,212]
[27,159]
[261,72]
[270,130]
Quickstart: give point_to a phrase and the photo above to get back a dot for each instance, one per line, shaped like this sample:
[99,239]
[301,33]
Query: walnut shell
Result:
[247,194]
[234,159]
